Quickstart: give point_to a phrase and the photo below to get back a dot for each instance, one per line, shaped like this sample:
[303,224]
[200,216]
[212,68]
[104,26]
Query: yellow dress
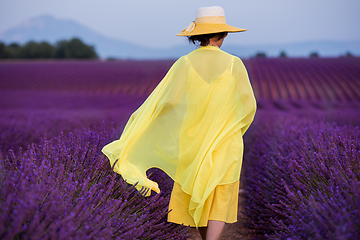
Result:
[191,127]
[221,205]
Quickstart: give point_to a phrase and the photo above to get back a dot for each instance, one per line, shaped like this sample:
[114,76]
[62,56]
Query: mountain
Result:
[48,28]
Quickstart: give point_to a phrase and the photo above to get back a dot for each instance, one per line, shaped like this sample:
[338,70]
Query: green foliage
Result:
[111,59]
[2,50]
[260,55]
[37,50]
[314,55]
[349,54]
[11,51]
[74,49]
[283,54]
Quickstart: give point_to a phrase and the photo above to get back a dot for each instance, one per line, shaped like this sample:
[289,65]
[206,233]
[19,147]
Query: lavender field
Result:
[301,171]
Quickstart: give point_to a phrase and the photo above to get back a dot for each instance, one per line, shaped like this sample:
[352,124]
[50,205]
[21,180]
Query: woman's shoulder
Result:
[233,57]
[180,64]
[237,62]
[183,60]
[236,58]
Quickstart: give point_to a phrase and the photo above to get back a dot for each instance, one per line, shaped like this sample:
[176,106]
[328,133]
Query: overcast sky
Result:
[155,22]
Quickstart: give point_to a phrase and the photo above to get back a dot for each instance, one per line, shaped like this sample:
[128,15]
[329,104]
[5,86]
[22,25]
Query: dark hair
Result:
[205,38]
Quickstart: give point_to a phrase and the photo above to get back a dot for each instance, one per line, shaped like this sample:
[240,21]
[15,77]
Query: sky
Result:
[154,23]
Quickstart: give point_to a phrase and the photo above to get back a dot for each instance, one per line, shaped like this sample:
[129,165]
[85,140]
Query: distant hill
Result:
[51,29]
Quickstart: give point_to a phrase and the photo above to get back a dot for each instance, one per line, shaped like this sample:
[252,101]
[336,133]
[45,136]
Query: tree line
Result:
[64,49]
[311,55]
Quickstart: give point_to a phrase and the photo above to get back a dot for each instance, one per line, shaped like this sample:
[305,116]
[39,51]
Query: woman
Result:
[191,127]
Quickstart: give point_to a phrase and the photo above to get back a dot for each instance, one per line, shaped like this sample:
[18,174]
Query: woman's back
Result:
[191,127]
[209,62]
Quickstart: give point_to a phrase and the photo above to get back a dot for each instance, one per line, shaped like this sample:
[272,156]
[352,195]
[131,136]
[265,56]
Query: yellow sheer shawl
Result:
[190,126]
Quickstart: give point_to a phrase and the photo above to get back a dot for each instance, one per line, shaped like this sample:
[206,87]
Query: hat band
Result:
[200,20]
[211,19]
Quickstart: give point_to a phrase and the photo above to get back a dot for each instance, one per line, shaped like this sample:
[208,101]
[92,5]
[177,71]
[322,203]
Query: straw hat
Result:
[209,20]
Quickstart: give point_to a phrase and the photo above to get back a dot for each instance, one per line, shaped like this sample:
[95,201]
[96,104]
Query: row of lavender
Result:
[301,174]
[321,80]
[114,78]
[302,178]
[25,116]
[64,188]
[59,101]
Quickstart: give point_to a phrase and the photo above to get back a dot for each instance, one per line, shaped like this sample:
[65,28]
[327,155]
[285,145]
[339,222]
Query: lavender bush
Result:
[24,127]
[64,189]
[301,174]
[25,116]
[302,179]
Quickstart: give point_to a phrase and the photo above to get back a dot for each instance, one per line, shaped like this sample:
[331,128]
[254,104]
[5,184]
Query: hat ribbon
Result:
[190,27]
[199,20]
[211,19]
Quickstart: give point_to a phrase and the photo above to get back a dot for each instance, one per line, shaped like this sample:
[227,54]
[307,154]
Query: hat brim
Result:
[208,28]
